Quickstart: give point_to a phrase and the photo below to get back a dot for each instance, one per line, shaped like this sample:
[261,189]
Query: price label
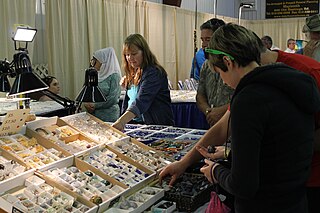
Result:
[14,121]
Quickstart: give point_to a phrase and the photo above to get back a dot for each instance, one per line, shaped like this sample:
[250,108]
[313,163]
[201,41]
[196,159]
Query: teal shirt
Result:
[133,93]
[109,111]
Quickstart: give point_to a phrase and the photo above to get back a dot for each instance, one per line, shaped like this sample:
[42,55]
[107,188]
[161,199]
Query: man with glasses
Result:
[213,96]
[291,45]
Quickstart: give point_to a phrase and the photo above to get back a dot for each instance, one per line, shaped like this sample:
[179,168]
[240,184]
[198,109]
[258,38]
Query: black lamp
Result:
[90,91]
[4,83]
[5,70]
[26,81]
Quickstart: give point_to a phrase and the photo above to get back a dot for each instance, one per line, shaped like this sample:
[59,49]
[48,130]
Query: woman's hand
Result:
[218,154]
[175,170]
[208,170]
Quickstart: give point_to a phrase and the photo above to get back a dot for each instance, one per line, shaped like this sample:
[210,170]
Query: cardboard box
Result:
[92,120]
[83,166]
[158,208]
[55,124]
[141,205]
[127,160]
[17,185]
[148,156]
[11,157]
[24,157]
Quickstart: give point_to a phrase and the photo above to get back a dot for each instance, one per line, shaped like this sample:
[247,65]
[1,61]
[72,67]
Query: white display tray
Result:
[115,134]
[72,161]
[19,181]
[141,206]
[47,123]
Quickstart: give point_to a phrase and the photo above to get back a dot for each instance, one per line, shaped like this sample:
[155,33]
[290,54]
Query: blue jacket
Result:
[153,101]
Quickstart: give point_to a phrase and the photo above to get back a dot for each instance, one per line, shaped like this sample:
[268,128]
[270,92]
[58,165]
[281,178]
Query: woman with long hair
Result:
[147,99]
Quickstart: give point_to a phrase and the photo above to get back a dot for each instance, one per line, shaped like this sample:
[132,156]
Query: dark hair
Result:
[290,39]
[48,79]
[267,41]
[241,43]
[212,24]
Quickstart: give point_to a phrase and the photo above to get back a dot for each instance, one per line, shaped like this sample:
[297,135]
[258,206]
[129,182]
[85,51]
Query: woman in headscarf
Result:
[109,74]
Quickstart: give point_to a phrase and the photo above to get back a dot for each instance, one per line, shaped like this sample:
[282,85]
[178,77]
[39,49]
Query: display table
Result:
[39,108]
[185,111]
[52,158]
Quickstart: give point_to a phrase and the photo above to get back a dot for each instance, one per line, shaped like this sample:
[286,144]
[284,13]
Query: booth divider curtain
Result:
[76,28]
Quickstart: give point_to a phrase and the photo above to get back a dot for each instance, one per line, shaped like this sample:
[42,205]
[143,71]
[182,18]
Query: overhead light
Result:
[246,5]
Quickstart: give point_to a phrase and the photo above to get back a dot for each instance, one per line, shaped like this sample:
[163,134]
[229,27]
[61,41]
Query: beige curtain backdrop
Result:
[14,12]
[280,30]
[76,28]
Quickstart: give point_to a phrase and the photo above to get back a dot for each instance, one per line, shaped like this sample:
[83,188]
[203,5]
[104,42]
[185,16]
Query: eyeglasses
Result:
[218,52]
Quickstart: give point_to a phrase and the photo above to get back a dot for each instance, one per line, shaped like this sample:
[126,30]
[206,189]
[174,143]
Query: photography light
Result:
[26,81]
[24,34]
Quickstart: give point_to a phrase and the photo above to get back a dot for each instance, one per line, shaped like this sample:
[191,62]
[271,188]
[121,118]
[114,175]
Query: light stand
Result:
[90,91]
[26,81]
[20,67]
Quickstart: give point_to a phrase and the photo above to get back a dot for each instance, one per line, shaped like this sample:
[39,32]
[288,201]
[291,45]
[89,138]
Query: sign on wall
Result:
[291,8]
